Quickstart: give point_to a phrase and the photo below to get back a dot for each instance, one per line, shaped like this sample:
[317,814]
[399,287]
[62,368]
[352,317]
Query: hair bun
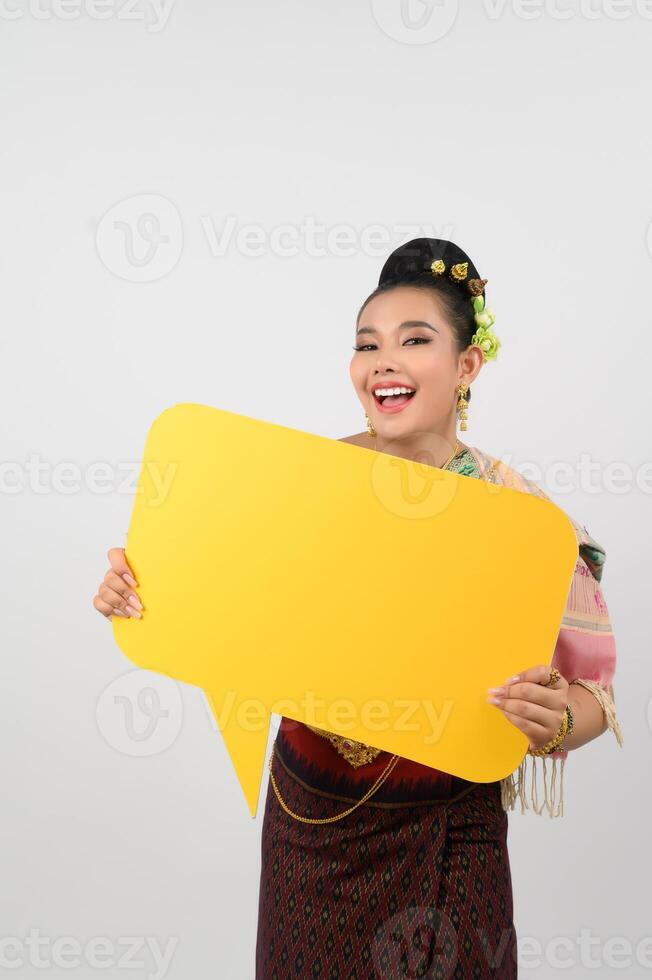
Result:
[432,257]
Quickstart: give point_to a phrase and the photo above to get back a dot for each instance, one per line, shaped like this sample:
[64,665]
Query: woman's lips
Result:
[396,407]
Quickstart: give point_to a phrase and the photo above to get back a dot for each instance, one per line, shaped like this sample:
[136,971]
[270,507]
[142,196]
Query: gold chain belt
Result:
[338,816]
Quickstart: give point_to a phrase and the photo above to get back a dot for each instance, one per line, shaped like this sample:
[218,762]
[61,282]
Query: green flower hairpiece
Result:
[484,336]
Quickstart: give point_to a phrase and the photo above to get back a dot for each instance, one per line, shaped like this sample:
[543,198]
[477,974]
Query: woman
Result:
[373,865]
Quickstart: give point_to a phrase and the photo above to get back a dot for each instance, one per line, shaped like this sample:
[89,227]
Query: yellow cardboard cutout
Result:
[365,594]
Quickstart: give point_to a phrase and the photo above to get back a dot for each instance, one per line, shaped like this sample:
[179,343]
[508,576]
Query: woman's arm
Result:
[589,719]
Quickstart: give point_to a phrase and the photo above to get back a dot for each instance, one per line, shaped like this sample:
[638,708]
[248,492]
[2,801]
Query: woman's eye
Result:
[423,340]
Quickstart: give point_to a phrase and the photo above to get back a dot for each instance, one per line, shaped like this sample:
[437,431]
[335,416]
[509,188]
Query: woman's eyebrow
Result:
[407,325]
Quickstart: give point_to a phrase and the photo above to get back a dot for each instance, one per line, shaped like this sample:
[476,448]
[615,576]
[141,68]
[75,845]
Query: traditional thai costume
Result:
[416,880]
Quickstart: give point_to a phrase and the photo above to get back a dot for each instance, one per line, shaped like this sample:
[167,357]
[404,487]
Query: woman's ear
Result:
[470,363]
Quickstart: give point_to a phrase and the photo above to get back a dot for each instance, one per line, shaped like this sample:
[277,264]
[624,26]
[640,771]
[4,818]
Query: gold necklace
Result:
[443,465]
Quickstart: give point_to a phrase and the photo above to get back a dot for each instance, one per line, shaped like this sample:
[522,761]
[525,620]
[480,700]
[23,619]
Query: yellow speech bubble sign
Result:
[359,592]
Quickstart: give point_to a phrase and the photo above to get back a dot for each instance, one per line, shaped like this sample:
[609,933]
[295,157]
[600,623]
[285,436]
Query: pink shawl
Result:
[585,650]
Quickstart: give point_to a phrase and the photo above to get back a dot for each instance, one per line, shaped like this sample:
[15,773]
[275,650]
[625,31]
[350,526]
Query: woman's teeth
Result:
[394,391]
[394,396]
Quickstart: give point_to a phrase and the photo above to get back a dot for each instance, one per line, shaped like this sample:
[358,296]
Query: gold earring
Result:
[462,406]
[370,425]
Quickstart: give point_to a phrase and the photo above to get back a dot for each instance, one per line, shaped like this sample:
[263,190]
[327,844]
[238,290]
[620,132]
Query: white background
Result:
[519,131]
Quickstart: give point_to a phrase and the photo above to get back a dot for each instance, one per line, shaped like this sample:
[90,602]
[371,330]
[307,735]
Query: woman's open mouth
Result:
[393,403]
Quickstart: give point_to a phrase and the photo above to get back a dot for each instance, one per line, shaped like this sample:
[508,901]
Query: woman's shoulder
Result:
[359,439]
[503,474]
[590,550]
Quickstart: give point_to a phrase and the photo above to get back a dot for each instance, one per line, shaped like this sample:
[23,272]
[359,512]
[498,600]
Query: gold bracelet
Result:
[565,729]
[338,816]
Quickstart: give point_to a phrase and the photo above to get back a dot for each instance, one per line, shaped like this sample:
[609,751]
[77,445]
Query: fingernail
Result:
[494,700]
[135,601]
[512,680]
[130,581]
[119,612]
[133,612]
[496,690]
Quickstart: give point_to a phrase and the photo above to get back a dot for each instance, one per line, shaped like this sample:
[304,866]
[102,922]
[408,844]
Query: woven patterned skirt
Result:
[387,892]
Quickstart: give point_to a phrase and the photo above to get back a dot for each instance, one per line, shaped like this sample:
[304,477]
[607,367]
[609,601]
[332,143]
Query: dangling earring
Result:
[370,425]
[462,405]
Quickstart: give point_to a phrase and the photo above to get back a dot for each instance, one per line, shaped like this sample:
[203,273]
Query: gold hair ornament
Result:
[484,337]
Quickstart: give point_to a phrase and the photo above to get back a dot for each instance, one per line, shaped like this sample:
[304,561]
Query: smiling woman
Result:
[373,865]
[440,335]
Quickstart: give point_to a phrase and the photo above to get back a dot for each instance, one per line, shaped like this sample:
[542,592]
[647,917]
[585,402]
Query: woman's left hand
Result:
[533,708]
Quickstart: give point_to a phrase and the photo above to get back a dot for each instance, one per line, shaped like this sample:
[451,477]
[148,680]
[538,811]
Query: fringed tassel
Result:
[513,787]
[606,702]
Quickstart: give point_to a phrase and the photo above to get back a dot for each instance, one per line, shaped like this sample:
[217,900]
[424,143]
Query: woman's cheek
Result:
[357,378]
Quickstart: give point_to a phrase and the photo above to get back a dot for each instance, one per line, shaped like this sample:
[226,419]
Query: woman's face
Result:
[404,339]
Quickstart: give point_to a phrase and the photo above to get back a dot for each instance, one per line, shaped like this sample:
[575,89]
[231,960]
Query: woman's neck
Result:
[430,448]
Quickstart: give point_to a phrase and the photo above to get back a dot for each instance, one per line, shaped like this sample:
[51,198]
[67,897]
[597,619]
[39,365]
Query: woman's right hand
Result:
[116,595]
